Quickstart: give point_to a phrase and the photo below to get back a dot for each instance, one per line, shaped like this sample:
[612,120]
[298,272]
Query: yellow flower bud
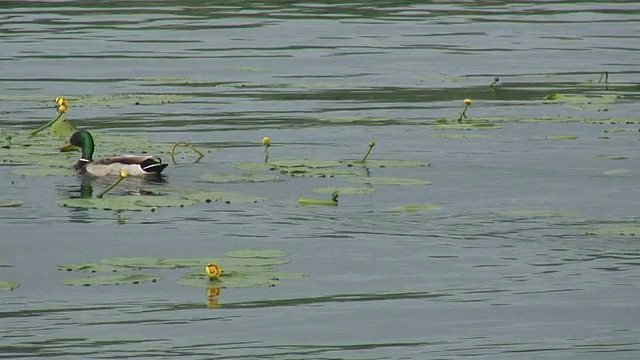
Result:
[213,271]
[62,109]
[266,141]
[123,173]
[61,101]
[467,101]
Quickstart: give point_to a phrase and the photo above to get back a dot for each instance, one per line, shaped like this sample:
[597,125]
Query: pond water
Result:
[532,245]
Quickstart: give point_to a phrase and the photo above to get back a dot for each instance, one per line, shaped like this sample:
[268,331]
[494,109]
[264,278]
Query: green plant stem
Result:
[366,155]
[463,114]
[175,146]
[266,153]
[115,183]
[34,132]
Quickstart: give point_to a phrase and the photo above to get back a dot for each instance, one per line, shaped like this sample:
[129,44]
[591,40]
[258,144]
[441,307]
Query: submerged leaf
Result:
[239,280]
[224,196]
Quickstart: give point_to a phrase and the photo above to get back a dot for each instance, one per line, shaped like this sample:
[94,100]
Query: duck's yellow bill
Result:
[67,146]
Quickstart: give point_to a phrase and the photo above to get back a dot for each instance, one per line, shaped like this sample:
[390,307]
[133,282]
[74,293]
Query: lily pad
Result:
[416,207]
[345,190]
[134,203]
[317,202]
[8,285]
[630,230]
[255,253]
[616,172]
[10,203]
[94,267]
[310,163]
[612,157]
[126,99]
[44,172]
[463,126]
[136,263]
[243,177]
[239,280]
[459,136]
[305,171]
[61,128]
[562,137]
[537,213]
[354,119]
[387,180]
[231,197]
[111,279]
[387,163]
[253,166]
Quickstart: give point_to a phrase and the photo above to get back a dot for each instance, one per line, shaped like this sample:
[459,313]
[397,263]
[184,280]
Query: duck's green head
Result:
[80,139]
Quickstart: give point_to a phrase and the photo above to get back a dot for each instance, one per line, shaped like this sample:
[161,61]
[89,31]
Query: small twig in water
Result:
[605,76]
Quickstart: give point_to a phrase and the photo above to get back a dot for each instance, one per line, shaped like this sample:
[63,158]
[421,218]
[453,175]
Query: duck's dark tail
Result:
[153,165]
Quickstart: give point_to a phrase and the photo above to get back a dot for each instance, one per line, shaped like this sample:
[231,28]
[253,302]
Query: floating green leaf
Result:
[44,172]
[8,285]
[10,203]
[616,172]
[612,157]
[305,171]
[253,166]
[353,119]
[345,190]
[134,203]
[416,207]
[562,137]
[136,263]
[231,197]
[463,126]
[387,163]
[387,180]
[61,128]
[459,136]
[243,177]
[310,163]
[111,279]
[537,213]
[255,253]
[631,230]
[94,267]
[126,99]
[239,280]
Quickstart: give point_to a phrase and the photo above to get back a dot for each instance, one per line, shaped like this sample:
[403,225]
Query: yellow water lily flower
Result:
[266,141]
[213,271]
[61,101]
[62,109]
[467,101]
[123,173]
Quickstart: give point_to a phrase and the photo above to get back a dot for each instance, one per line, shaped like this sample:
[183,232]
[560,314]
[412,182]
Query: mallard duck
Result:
[135,165]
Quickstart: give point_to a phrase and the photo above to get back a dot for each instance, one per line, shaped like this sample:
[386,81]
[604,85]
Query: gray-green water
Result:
[532,253]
